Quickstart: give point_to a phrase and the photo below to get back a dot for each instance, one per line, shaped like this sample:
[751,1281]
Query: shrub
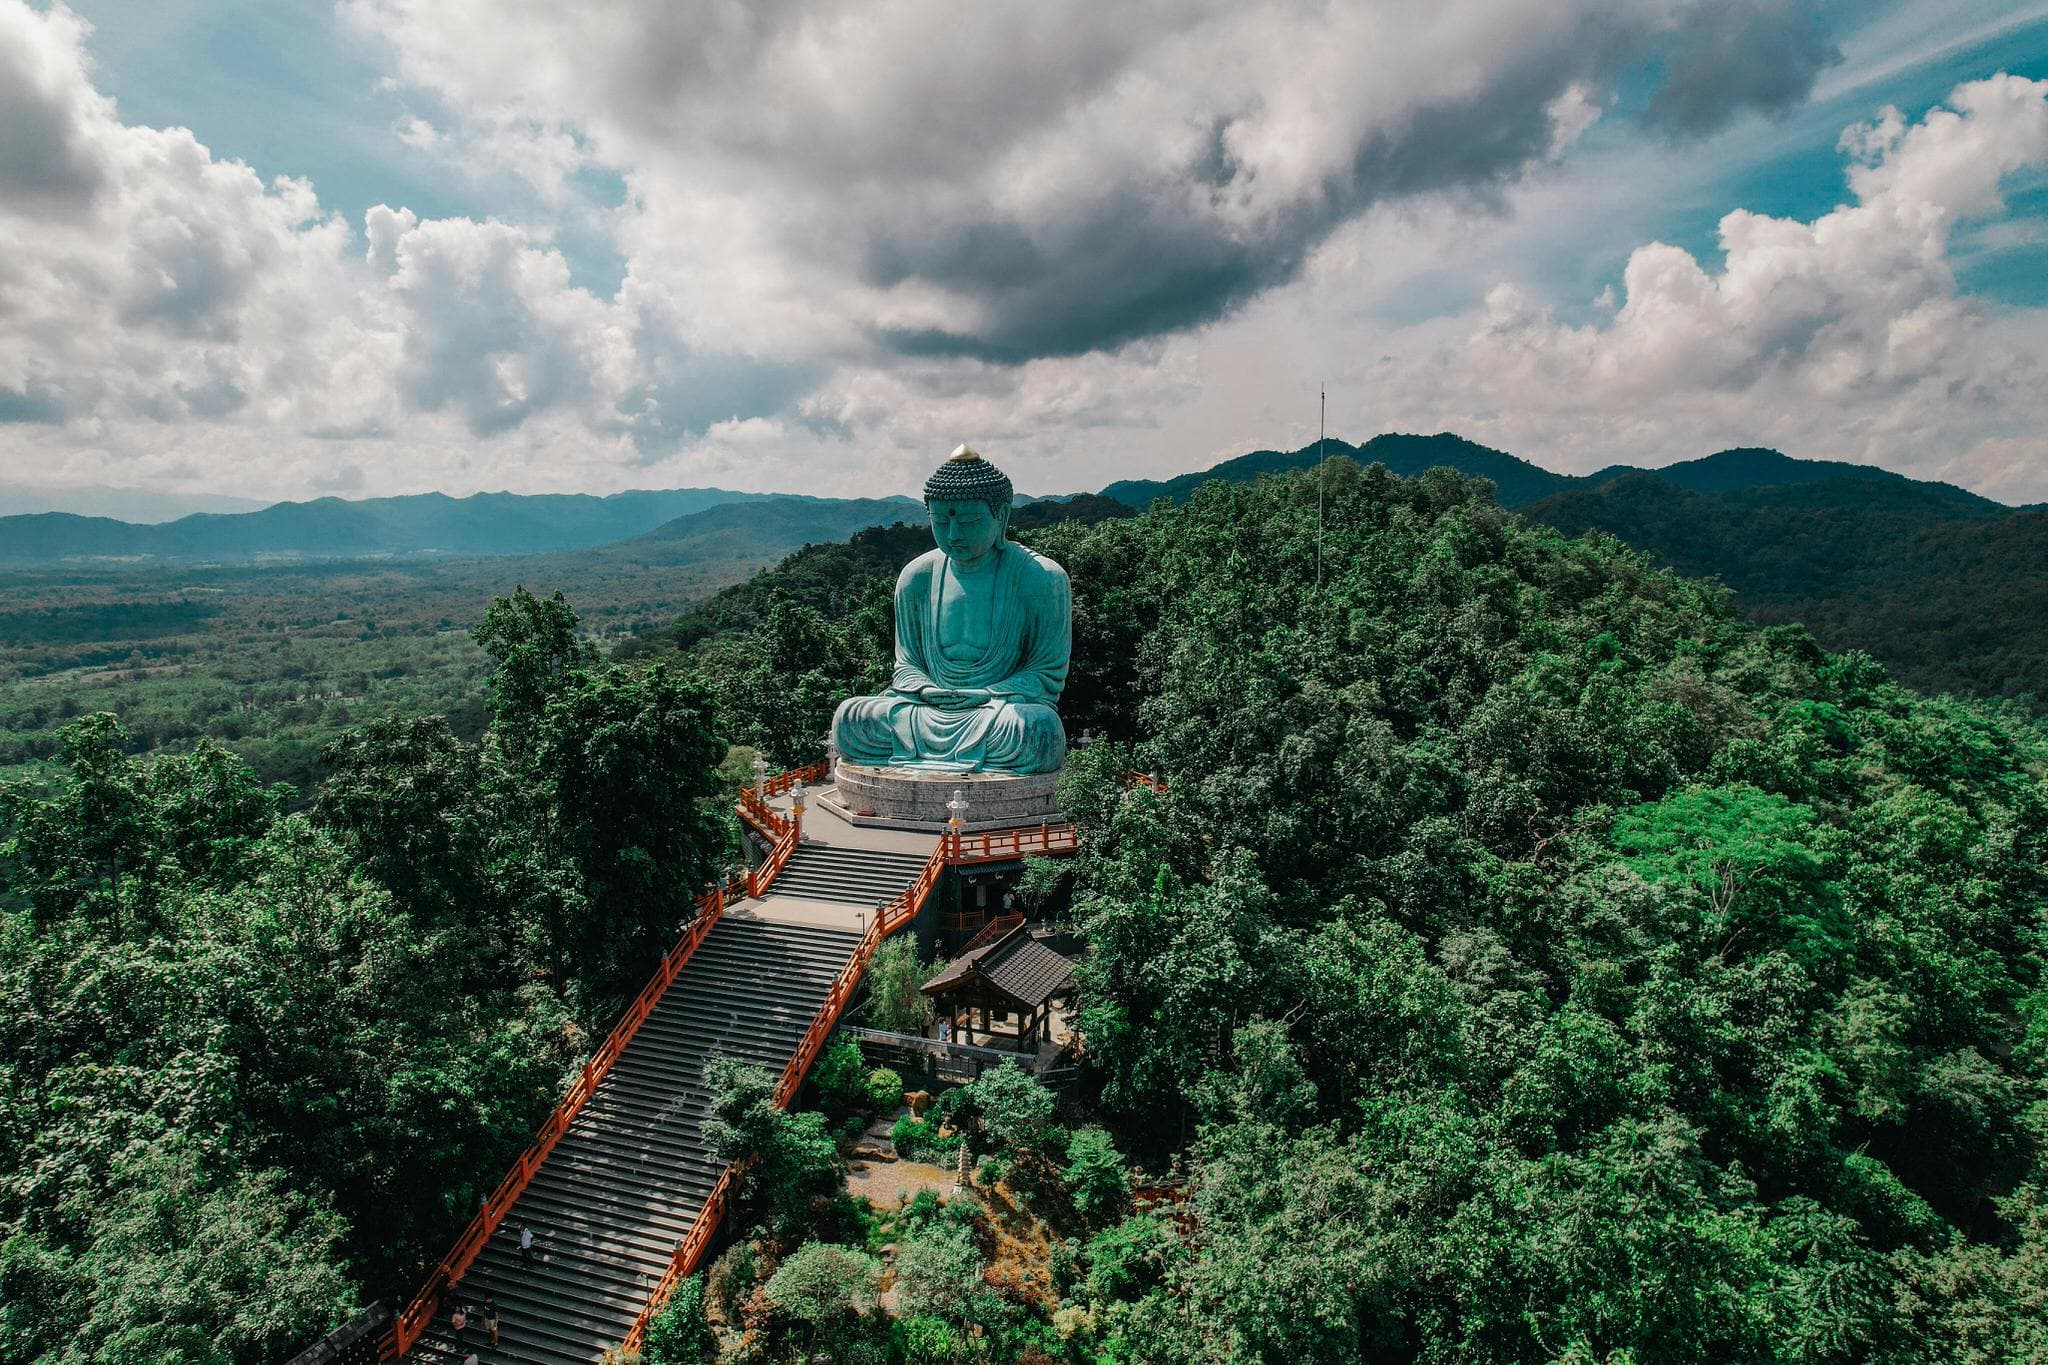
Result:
[680,1334]
[1126,1260]
[1095,1176]
[732,1278]
[884,1090]
[919,1140]
[929,1341]
[1065,1264]
[922,1208]
[939,1272]
[820,1283]
[841,1076]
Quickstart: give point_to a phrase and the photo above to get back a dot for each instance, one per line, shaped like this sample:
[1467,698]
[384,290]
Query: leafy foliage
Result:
[792,1157]
[680,1334]
[257,1065]
[1535,962]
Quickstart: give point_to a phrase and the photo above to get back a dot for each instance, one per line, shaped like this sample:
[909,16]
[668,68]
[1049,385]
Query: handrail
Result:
[417,1315]
[778,857]
[782,782]
[1134,778]
[763,817]
[1002,845]
[990,932]
[890,917]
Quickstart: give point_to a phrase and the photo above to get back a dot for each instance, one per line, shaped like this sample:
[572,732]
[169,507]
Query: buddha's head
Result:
[969,500]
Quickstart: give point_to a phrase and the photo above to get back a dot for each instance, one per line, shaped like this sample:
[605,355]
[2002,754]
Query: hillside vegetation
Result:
[1530,960]
[275,662]
[1542,964]
[1950,591]
[257,1068]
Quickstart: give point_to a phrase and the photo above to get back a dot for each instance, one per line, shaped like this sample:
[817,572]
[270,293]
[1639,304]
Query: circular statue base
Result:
[915,798]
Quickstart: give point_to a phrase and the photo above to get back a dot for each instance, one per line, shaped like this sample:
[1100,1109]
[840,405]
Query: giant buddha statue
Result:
[983,629]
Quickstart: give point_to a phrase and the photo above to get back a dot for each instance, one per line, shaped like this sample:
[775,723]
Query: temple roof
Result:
[1016,965]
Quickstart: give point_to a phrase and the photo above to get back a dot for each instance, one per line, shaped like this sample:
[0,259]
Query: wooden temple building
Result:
[1002,990]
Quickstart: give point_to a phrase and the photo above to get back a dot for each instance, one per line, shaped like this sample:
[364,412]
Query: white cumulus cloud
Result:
[1845,336]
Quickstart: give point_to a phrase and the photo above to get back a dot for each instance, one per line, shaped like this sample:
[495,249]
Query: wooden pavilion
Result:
[1000,992]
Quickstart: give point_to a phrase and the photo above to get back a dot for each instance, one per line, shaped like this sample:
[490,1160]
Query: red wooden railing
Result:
[990,932]
[782,782]
[892,916]
[953,850]
[1134,778]
[785,830]
[1000,845]
[419,1314]
[778,857]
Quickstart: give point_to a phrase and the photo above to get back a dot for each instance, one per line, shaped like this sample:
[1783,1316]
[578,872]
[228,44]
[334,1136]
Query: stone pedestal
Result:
[909,798]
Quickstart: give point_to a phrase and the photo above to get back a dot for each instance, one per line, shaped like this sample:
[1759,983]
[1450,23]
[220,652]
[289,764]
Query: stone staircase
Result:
[850,876]
[623,1185]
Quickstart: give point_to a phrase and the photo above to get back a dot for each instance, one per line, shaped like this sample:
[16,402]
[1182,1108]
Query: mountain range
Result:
[1948,588]
[423,523]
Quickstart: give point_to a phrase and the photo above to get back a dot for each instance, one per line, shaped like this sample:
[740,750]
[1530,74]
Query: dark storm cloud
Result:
[1010,182]
[48,163]
[1736,57]
[1150,260]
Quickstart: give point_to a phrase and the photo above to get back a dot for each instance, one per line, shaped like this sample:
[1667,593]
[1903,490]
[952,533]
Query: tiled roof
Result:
[1030,972]
[1016,964]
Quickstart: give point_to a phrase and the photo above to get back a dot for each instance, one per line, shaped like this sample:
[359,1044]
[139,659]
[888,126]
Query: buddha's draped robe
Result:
[1023,663]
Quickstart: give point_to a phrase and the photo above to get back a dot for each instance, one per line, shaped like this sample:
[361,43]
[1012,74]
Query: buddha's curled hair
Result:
[967,477]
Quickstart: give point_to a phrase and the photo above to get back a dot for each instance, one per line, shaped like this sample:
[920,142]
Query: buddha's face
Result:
[966,531]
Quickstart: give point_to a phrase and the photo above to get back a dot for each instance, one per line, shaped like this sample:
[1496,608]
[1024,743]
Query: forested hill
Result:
[334,528]
[1516,480]
[1541,963]
[1527,960]
[1949,590]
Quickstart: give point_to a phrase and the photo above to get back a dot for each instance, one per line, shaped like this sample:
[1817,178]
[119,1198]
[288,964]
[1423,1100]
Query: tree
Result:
[629,761]
[791,1159]
[822,1285]
[180,1268]
[939,1272]
[405,795]
[1095,1176]
[534,643]
[1014,1108]
[86,856]
[895,1004]
[680,1334]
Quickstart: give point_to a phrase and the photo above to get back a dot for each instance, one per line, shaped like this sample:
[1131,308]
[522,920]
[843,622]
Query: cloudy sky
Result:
[383,246]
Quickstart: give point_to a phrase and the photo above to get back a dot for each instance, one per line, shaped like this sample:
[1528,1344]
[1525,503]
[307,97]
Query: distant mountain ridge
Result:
[1945,587]
[1519,482]
[334,528]
[543,523]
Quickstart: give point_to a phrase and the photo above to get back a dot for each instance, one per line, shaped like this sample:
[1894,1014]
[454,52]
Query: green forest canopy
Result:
[1531,960]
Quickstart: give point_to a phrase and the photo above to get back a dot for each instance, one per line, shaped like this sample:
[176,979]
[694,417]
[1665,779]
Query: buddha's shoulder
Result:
[921,569]
[1035,566]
